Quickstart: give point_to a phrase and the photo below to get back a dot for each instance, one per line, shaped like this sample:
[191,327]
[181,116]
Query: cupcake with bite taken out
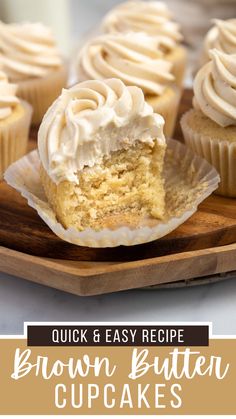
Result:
[210,127]
[15,117]
[155,19]
[30,58]
[102,151]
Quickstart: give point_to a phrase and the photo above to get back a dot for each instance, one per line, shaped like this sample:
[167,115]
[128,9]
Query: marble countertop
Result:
[21,301]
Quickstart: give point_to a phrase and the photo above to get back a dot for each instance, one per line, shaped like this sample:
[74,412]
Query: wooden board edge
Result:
[194,282]
[118,277]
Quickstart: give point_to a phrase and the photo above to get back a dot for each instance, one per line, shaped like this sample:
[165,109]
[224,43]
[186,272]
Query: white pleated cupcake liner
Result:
[179,60]
[219,153]
[168,108]
[188,180]
[14,137]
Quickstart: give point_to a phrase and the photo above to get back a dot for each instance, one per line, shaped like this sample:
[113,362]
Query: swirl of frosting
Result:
[91,120]
[152,17]
[222,37]
[215,88]
[133,57]
[27,50]
[8,99]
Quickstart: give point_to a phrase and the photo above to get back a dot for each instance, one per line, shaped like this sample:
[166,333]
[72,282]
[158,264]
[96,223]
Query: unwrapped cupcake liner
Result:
[167,107]
[219,153]
[40,92]
[14,138]
[188,181]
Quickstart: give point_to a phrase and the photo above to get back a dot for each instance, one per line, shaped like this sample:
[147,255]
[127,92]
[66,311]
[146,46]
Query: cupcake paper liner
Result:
[189,180]
[167,106]
[41,92]
[219,153]
[179,60]
[14,138]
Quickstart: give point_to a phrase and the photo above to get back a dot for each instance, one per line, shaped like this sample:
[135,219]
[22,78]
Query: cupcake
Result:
[136,59]
[210,127]
[102,150]
[153,18]
[29,57]
[15,116]
[221,36]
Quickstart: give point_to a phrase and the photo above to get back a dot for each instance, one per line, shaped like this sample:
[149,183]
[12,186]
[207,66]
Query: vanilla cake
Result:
[102,152]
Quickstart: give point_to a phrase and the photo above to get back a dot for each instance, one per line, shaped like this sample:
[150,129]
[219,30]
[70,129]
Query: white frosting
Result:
[135,58]
[27,50]
[222,37]
[91,120]
[151,17]
[8,99]
[215,88]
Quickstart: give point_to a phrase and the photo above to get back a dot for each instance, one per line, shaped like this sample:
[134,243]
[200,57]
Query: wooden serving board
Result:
[204,245]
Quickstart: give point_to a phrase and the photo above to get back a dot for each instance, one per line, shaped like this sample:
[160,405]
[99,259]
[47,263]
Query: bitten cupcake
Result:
[155,19]
[15,116]
[210,128]
[102,151]
[136,59]
[30,58]
[221,36]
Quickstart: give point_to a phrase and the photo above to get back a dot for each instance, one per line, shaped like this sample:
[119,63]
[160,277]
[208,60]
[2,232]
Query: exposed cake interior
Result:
[125,188]
[120,186]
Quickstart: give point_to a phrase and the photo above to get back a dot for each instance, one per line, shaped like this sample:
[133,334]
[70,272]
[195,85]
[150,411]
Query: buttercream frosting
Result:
[27,50]
[222,37]
[91,120]
[215,88]
[8,99]
[151,17]
[132,57]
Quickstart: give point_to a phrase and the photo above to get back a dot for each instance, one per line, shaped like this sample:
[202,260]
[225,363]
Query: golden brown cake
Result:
[30,58]
[102,152]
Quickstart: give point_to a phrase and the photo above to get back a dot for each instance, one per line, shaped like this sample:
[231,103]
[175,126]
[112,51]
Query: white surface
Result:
[22,301]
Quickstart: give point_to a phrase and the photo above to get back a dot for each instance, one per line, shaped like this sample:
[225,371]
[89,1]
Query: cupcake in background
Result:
[210,127]
[221,36]
[137,60]
[155,19]
[15,117]
[30,58]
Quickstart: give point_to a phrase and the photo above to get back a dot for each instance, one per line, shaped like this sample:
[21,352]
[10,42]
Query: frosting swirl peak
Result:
[151,17]
[222,37]
[27,50]
[135,58]
[8,99]
[91,120]
[215,88]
